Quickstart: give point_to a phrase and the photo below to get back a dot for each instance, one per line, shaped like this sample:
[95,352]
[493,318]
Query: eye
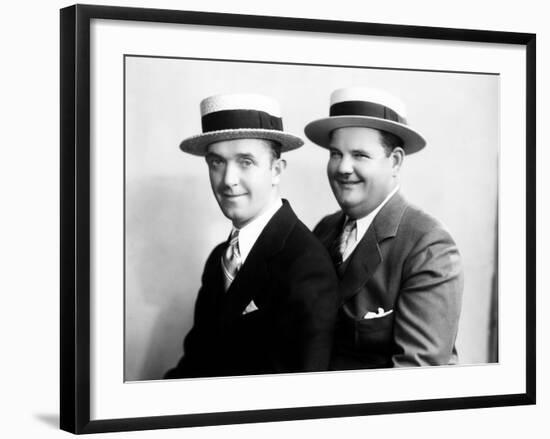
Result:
[214,162]
[335,153]
[245,162]
[360,155]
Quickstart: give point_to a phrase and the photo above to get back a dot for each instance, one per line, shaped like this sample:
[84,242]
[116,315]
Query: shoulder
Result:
[305,262]
[418,223]
[428,252]
[292,235]
[302,240]
[301,248]
[214,256]
[293,244]
[217,251]
[426,242]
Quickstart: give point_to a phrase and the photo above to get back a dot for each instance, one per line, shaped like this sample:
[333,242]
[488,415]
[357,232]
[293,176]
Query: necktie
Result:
[345,239]
[231,259]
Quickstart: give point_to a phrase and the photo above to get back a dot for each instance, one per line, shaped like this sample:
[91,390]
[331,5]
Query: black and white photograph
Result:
[287,218]
[281,219]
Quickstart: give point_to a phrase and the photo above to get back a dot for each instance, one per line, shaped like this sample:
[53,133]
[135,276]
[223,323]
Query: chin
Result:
[236,219]
[230,214]
[350,208]
[346,207]
[347,202]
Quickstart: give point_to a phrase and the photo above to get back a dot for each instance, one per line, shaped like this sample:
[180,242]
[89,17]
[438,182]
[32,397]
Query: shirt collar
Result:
[364,223]
[250,233]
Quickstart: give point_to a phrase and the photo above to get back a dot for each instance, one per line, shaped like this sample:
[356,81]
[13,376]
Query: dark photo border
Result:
[75,217]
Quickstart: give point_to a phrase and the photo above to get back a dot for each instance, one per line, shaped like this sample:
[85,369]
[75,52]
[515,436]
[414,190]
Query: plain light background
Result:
[30,205]
[173,221]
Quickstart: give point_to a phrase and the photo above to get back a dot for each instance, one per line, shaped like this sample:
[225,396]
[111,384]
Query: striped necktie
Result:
[343,241]
[231,259]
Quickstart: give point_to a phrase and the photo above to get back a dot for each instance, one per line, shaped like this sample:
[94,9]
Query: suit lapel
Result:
[363,262]
[367,255]
[253,277]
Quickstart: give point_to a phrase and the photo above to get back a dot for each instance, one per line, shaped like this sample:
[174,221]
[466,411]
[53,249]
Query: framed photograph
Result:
[140,215]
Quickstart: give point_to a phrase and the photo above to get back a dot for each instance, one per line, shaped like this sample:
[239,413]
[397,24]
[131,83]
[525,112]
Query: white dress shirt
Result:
[250,233]
[362,226]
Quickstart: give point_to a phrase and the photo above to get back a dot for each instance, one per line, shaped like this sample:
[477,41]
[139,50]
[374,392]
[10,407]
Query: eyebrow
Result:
[353,151]
[211,155]
[243,155]
[246,155]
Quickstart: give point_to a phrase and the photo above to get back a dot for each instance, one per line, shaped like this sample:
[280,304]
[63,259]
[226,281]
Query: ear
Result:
[397,156]
[277,169]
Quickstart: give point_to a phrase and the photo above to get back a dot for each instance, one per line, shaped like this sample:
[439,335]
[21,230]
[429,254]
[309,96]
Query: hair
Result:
[390,141]
[275,148]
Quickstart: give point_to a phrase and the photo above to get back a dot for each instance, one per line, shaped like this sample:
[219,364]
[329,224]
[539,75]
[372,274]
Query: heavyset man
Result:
[400,271]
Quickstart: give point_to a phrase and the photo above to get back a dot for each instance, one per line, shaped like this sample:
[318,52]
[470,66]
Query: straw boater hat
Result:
[239,116]
[364,107]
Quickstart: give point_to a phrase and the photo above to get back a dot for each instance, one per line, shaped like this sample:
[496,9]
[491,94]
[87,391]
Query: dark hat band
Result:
[240,119]
[363,108]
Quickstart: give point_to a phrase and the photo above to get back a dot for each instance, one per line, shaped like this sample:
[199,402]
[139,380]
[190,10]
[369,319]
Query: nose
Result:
[345,165]
[231,175]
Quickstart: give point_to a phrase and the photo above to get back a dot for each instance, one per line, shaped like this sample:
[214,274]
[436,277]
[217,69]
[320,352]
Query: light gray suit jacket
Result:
[409,265]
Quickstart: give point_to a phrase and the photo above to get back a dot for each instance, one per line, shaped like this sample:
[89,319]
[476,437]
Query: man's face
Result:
[360,173]
[244,177]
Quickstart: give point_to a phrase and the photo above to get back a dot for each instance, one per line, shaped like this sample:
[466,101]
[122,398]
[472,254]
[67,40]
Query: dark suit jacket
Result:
[291,279]
[406,262]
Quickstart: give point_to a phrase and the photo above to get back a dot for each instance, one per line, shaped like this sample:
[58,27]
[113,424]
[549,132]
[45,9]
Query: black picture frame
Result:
[76,210]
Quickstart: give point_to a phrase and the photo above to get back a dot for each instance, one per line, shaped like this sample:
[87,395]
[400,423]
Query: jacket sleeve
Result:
[197,345]
[191,363]
[430,299]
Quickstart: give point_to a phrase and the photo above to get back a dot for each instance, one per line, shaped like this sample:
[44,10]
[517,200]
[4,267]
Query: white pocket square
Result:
[250,308]
[377,315]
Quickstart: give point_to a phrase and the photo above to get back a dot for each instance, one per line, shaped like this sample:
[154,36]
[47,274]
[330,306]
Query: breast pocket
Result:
[375,333]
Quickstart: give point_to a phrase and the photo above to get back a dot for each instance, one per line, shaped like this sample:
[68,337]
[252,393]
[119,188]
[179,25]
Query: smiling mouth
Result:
[347,182]
[231,196]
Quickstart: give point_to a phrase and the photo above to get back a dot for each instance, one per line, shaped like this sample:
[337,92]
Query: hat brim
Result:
[198,144]
[319,130]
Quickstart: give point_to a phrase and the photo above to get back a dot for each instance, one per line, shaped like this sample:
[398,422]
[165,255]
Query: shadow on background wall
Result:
[164,253]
